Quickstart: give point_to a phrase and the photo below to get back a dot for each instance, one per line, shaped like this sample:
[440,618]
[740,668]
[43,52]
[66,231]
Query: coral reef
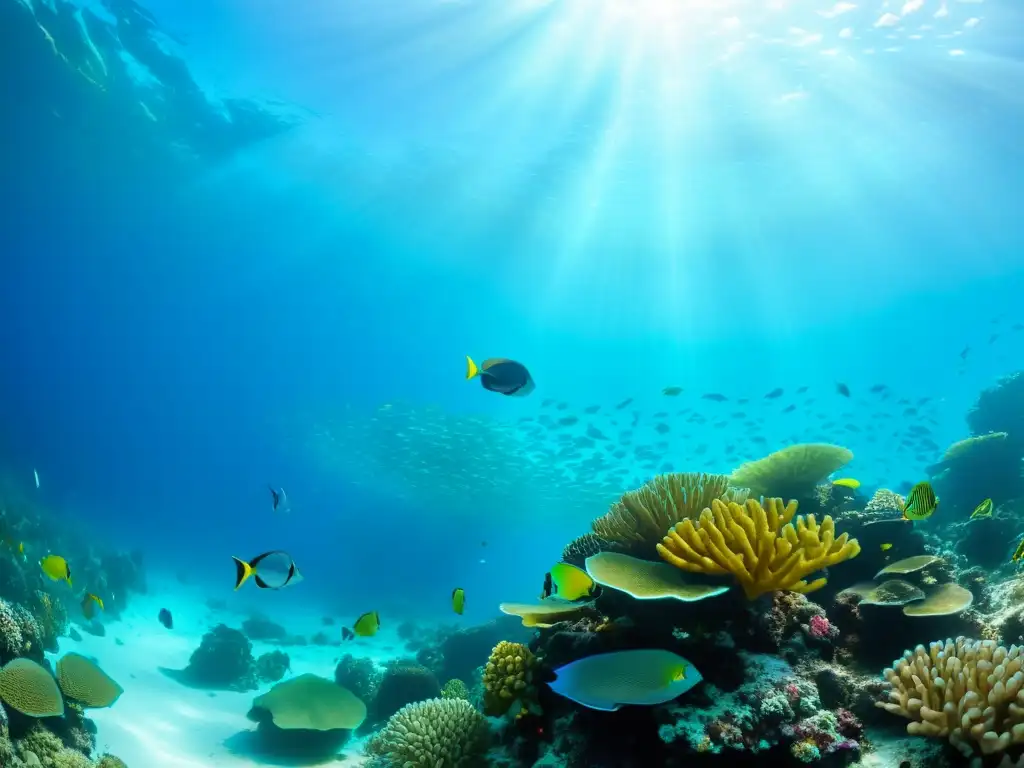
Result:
[359,675]
[223,660]
[403,682]
[791,473]
[272,666]
[508,680]
[638,520]
[438,733]
[760,546]
[579,549]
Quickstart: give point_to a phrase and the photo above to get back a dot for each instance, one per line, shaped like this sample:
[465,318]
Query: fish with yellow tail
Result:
[983,510]
[56,568]
[921,502]
[1018,553]
[271,570]
[458,600]
[498,374]
[89,603]
[367,624]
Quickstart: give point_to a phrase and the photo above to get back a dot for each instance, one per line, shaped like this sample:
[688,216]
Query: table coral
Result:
[792,472]
[764,547]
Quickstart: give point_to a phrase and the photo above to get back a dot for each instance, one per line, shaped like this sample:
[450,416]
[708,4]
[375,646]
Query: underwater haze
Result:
[248,246]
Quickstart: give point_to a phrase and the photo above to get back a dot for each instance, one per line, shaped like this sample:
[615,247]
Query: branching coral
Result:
[758,545]
[792,472]
[439,733]
[969,691]
[508,678]
[640,518]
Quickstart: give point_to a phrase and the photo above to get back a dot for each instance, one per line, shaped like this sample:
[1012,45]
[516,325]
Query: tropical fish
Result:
[921,502]
[983,510]
[347,634]
[672,391]
[458,600]
[885,547]
[16,547]
[777,392]
[165,618]
[608,681]
[367,624]
[279,499]
[714,397]
[56,568]
[89,603]
[1018,553]
[570,582]
[842,389]
[271,570]
[498,374]
[847,482]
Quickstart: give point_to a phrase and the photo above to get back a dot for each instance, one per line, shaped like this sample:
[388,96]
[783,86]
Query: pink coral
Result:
[821,628]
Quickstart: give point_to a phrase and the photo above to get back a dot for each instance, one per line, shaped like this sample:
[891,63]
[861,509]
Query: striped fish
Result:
[921,502]
[983,510]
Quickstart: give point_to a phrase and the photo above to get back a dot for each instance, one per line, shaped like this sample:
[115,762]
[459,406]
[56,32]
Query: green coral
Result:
[455,689]
[70,758]
[437,733]
[43,743]
[110,761]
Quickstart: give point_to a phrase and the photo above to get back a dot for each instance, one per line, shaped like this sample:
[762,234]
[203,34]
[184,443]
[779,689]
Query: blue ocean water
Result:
[252,243]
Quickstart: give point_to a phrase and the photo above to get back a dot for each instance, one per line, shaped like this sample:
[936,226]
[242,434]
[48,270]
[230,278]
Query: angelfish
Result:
[271,570]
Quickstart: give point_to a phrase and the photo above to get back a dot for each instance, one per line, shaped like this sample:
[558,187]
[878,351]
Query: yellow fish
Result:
[89,603]
[367,624]
[921,502]
[458,600]
[1018,553]
[56,568]
[570,582]
[847,482]
[983,510]
[886,547]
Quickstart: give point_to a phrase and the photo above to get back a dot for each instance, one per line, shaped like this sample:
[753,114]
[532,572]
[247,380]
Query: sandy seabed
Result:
[160,723]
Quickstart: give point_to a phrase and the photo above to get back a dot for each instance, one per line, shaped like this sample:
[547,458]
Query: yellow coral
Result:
[641,517]
[508,677]
[969,691]
[792,472]
[758,545]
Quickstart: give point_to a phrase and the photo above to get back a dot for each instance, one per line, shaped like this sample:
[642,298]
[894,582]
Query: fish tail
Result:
[242,572]
[471,368]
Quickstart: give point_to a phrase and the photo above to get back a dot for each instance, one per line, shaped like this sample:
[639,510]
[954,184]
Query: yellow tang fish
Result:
[1018,553]
[367,624]
[886,547]
[983,510]
[458,600]
[847,482]
[570,582]
[56,568]
[921,502]
[89,603]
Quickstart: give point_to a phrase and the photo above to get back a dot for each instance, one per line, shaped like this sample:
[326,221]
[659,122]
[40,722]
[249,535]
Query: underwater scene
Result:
[496,384]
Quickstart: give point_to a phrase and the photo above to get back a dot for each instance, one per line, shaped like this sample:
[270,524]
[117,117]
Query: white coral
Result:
[969,691]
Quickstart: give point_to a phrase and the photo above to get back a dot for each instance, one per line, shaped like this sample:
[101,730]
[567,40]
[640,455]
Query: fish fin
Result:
[260,582]
[242,572]
[471,368]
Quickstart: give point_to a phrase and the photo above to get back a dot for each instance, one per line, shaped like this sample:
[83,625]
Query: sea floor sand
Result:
[160,723]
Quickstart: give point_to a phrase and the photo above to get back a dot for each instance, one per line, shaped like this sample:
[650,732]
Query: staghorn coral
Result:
[792,472]
[640,518]
[758,545]
[508,678]
[437,733]
[969,691]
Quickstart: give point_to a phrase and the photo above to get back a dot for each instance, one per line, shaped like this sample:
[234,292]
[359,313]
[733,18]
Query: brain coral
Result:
[439,733]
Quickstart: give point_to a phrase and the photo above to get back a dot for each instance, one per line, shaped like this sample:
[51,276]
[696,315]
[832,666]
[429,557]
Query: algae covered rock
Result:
[223,660]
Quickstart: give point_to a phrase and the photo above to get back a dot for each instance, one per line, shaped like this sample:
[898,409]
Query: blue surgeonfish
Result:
[608,681]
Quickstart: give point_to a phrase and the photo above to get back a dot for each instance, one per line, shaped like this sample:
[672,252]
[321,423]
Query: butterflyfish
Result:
[847,482]
[608,681]
[885,547]
[89,603]
[498,374]
[921,502]
[570,582]
[56,568]
[458,600]
[367,624]
[983,510]
[165,618]
[271,570]
[1018,553]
